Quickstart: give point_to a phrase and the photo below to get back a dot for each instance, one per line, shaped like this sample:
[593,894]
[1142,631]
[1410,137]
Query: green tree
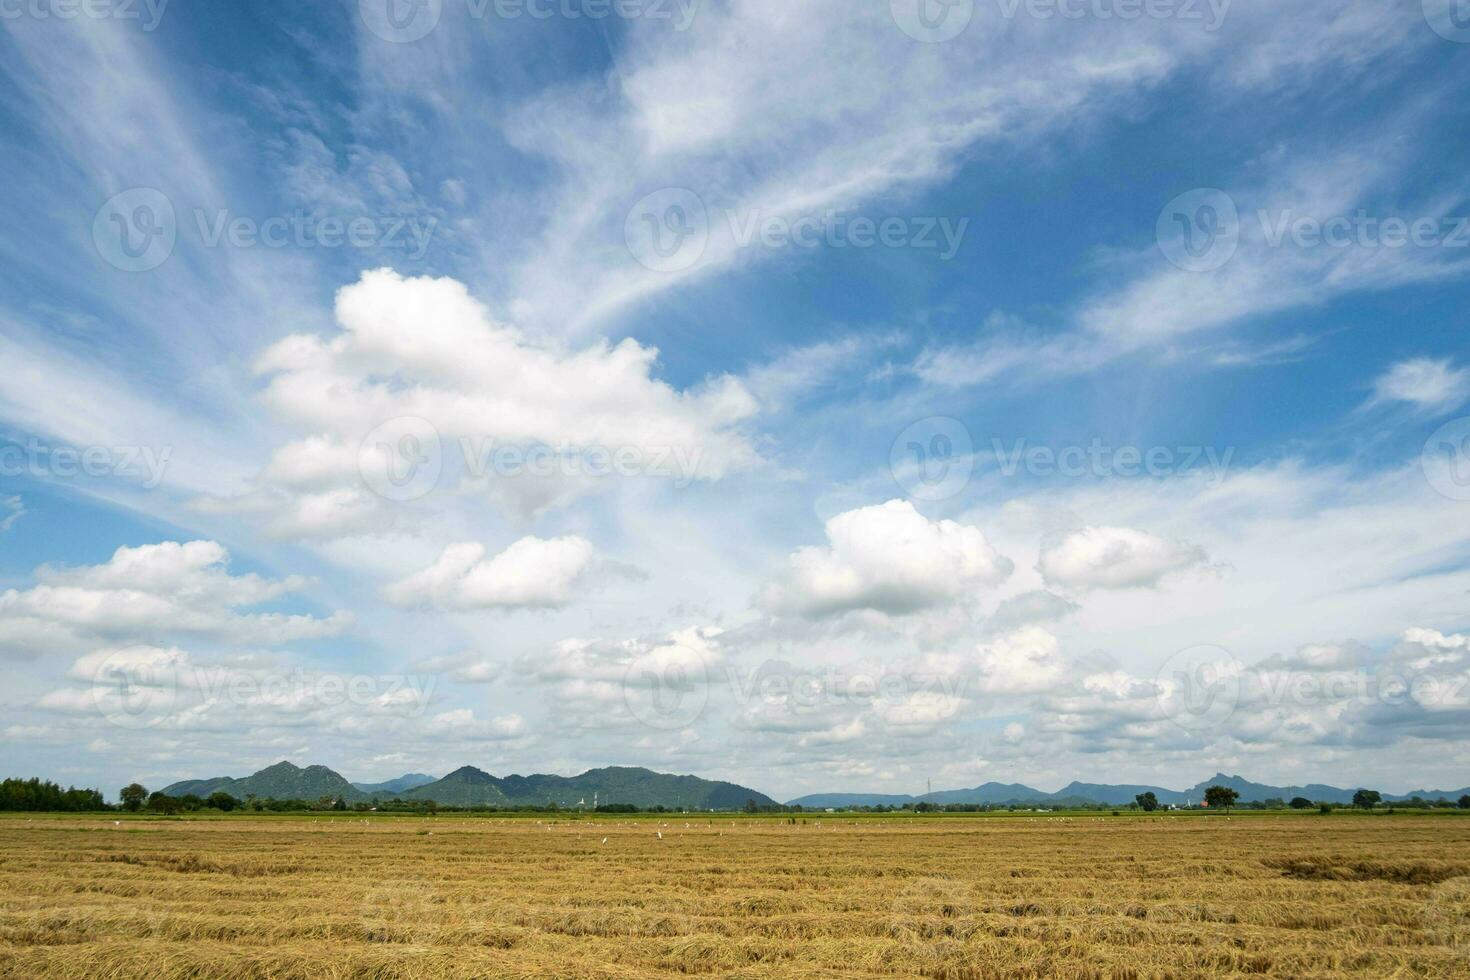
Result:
[1221,796]
[1148,802]
[1367,799]
[222,801]
[163,803]
[133,796]
[38,795]
[1300,803]
[1465,802]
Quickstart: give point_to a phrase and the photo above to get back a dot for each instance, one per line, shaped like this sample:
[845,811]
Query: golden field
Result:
[827,896]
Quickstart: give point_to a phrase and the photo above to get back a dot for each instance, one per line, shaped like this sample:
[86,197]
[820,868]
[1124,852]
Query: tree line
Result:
[1225,798]
[37,795]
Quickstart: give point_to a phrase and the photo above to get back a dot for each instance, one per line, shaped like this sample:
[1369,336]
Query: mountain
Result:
[640,787]
[1430,794]
[838,801]
[392,787]
[1109,794]
[992,793]
[467,786]
[1122,794]
[1250,792]
[987,793]
[282,781]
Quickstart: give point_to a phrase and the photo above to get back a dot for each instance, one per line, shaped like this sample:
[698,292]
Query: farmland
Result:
[829,895]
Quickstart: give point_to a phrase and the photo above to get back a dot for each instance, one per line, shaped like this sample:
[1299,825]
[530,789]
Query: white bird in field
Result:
[660,834]
[604,840]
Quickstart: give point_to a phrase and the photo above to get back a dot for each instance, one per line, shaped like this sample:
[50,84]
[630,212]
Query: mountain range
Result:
[1082,794]
[404,783]
[643,787]
[469,786]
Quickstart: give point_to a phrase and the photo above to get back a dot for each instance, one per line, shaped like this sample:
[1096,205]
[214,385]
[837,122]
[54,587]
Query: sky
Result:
[834,396]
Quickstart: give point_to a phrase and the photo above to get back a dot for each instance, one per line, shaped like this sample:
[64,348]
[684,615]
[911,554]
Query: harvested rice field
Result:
[831,896]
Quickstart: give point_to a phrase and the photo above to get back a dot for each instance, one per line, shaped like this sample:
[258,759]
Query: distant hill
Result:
[640,787]
[838,801]
[282,781]
[1251,792]
[986,793]
[402,784]
[1108,794]
[469,786]
[1431,794]
[463,787]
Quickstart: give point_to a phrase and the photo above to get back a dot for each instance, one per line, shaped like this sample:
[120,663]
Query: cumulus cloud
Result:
[1427,649]
[530,574]
[1331,695]
[1427,384]
[1028,608]
[1027,661]
[889,559]
[466,668]
[425,349]
[1115,558]
[462,723]
[150,591]
[170,689]
[662,680]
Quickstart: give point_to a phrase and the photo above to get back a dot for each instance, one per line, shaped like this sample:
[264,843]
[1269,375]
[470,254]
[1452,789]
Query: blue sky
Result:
[279,283]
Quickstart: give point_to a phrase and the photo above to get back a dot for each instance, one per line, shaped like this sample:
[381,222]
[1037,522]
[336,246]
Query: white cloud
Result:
[889,559]
[425,349]
[698,110]
[155,591]
[1427,384]
[1027,661]
[1115,558]
[595,684]
[1427,649]
[11,511]
[465,668]
[462,723]
[530,574]
[1272,270]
